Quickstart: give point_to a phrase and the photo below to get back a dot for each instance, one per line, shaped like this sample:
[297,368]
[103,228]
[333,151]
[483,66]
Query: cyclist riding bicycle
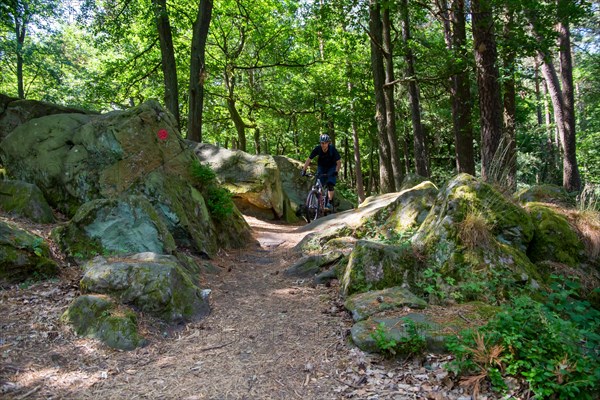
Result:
[328,163]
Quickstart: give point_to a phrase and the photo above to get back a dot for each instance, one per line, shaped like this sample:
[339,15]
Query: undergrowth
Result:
[553,345]
[411,343]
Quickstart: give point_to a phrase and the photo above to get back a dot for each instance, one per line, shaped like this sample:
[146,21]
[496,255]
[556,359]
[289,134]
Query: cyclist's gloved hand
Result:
[303,173]
[335,173]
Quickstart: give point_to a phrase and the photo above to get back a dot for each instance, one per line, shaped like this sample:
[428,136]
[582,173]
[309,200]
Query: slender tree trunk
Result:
[385,168]
[257,140]
[510,108]
[556,97]
[169,67]
[20,31]
[360,188]
[461,92]
[490,104]
[388,92]
[420,144]
[198,70]
[571,178]
[239,124]
[538,93]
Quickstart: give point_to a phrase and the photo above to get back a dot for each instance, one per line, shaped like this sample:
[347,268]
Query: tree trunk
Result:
[538,93]
[388,93]
[197,70]
[240,126]
[553,144]
[20,32]
[461,93]
[571,178]
[490,104]
[510,108]
[385,167]
[360,188]
[169,67]
[420,144]
[257,140]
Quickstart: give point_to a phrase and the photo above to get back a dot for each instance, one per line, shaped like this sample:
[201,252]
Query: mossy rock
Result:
[546,193]
[154,283]
[75,159]
[554,238]
[363,305]
[99,317]
[115,226]
[26,200]
[377,266]
[24,256]
[398,329]
[466,195]
[403,215]
[463,266]
[338,237]
[309,266]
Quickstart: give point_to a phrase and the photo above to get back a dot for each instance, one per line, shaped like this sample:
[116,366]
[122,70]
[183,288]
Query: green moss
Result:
[97,316]
[554,239]
[120,331]
[377,266]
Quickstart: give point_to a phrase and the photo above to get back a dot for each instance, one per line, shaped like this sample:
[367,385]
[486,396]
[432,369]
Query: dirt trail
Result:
[268,336]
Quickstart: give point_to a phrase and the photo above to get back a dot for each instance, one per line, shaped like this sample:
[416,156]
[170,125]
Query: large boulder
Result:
[389,216]
[157,284]
[99,317]
[23,256]
[26,200]
[264,186]
[77,158]
[14,112]
[253,179]
[115,226]
[474,243]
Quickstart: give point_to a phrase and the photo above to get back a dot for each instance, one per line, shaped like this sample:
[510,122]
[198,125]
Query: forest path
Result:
[268,336]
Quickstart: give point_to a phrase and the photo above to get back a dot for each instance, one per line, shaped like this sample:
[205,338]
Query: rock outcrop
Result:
[78,158]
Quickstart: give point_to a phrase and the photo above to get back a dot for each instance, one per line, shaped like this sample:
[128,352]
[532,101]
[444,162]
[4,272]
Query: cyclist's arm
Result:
[306,164]
[338,166]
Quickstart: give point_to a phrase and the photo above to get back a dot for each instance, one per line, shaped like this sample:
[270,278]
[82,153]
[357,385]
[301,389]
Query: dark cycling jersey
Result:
[326,159]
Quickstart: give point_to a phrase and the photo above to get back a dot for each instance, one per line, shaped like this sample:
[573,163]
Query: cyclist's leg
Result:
[331,181]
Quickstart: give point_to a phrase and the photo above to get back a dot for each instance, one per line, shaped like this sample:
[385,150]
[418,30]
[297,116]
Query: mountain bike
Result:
[317,198]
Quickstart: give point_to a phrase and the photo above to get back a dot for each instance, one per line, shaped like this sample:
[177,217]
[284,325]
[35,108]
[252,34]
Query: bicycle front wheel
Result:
[312,207]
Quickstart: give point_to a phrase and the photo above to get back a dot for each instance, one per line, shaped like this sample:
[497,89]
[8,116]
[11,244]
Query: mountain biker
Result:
[328,163]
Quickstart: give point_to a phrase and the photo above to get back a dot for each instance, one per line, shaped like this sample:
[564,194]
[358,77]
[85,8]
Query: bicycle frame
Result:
[315,200]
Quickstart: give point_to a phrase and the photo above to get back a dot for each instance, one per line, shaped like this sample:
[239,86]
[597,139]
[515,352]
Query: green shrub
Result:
[203,174]
[218,199]
[554,345]
[218,202]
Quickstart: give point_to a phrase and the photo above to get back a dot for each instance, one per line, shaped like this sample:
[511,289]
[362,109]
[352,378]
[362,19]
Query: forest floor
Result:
[268,336]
